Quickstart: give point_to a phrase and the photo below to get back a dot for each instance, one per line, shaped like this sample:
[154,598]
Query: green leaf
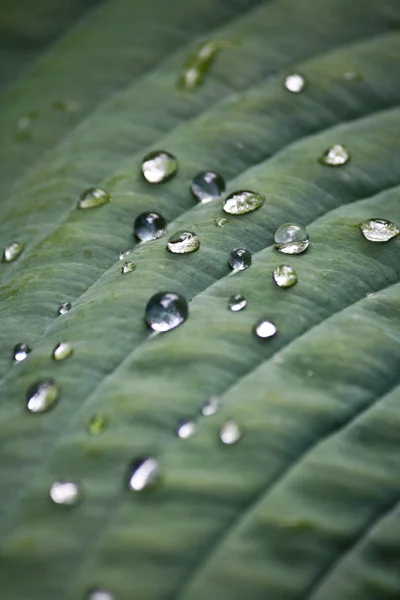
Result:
[305,504]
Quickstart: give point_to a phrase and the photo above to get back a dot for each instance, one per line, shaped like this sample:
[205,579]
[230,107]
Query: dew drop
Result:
[378,230]
[125,253]
[183,242]
[199,63]
[207,186]
[237,302]
[93,197]
[97,424]
[242,202]
[64,307]
[353,76]
[128,267]
[23,128]
[143,474]
[62,351]
[230,433]
[239,259]
[295,83]
[335,156]
[165,311]
[284,276]
[12,251]
[265,329]
[20,352]
[149,226]
[291,238]
[100,595]
[220,222]
[186,430]
[159,166]
[42,395]
[211,407]
[65,492]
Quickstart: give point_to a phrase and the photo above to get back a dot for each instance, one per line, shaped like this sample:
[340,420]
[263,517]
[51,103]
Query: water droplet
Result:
[65,492]
[265,329]
[230,433]
[242,202]
[207,186]
[100,595]
[220,222]
[183,242]
[378,230]
[165,311]
[352,76]
[239,259]
[291,238]
[64,307]
[143,474]
[285,276]
[42,395]
[186,429]
[12,251]
[21,351]
[295,83]
[199,63]
[62,351]
[97,424]
[128,267]
[69,107]
[336,156]
[211,407]
[93,197]
[23,130]
[237,302]
[125,253]
[159,166]
[149,226]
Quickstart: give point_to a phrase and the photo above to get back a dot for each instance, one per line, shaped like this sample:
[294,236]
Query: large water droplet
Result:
[165,311]
[295,83]
[284,276]
[64,307]
[65,492]
[335,156]
[242,202]
[291,238]
[149,226]
[220,222]
[143,474]
[42,395]
[97,424]
[186,429]
[265,329]
[12,251]
[159,166]
[230,433]
[128,267]
[239,259]
[379,230]
[211,407]
[62,351]
[199,63]
[207,186]
[100,595]
[93,197]
[21,351]
[237,302]
[183,242]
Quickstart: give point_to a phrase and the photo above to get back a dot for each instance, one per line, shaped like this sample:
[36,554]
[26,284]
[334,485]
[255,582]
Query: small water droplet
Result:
[220,222]
[125,253]
[295,83]
[183,242]
[285,276]
[93,197]
[207,186]
[149,226]
[159,166]
[64,307]
[242,202]
[128,267]
[353,76]
[165,311]
[21,351]
[199,63]
[100,595]
[65,492]
[69,107]
[230,433]
[12,252]
[291,238]
[211,407]
[237,302]
[97,424]
[62,351]
[42,395]
[186,429]
[378,230]
[265,329]
[239,259]
[144,473]
[335,156]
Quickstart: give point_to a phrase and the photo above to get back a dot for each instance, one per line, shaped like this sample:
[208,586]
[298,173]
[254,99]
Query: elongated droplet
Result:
[65,492]
[128,267]
[100,595]
[64,307]
[165,311]
[199,63]
[207,186]
[353,76]
[230,433]
[242,202]
[62,351]
[220,222]
[265,329]
[97,424]
[183,242]
[149,226]
[159,166]
[12,251]
[379,230]
[291,238]
[237,302]
[143,474]
[284,276]
[239,259]
[211,407]
[335,156]
[21,351]
[42,395]
[186,429]
[295,83]
[125,253]
[93,197]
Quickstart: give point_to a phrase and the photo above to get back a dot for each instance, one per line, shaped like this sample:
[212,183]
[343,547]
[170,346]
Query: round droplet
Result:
[285,276]
[237,302]
[97,424]
[100,595]
[12,252]
[183,242]
[21,351]
[207,186]
[128,267]
[295,83]
[291,238]
[220,222]
[125,253]
[230,433]
[93,197]
[379,230]
[159,166]
[265,329]
[165,311]
[336,156]
[149,226]
[64,307]
[186,429]
[62,351]
[144,473]
[239,259]
[65,492]
[42,395]
[242,202]
[211,407]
